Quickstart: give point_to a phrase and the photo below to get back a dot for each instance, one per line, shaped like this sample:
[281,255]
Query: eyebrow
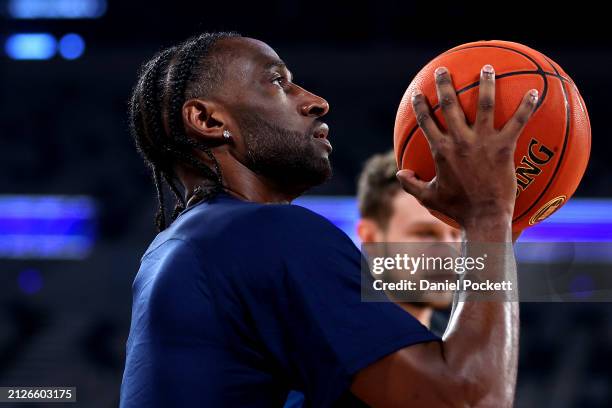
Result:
[424,224]
[278,64]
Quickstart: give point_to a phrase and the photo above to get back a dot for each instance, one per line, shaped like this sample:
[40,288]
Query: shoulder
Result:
[229,223]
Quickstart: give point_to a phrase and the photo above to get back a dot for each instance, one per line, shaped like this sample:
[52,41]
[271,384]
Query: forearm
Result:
[481,340]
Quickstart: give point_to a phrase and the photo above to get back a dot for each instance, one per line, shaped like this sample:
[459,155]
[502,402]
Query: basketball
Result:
[552,151]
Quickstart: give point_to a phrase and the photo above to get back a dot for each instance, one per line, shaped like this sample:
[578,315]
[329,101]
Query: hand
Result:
[475,174]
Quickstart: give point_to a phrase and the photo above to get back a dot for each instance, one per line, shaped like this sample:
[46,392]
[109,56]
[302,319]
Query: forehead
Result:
[407,209]
[248,54]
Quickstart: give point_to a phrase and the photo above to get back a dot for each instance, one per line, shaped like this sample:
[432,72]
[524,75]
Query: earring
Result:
[227,134]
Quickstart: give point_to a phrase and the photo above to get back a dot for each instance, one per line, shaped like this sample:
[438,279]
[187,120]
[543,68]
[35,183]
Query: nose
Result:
[314,106]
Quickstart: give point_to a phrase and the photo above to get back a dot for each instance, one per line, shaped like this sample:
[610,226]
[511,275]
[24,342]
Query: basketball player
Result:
[243,296]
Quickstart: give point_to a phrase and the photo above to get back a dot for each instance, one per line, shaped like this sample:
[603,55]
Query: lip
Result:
[325,143]
[320,133]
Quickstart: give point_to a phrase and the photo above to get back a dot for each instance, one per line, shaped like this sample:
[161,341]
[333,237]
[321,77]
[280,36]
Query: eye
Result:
[280,81]
[426,234]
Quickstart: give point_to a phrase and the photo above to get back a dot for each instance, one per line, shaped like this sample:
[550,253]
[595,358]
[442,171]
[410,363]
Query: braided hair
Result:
[171,77]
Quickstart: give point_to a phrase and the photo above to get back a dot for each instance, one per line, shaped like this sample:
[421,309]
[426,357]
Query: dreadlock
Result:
[172,76]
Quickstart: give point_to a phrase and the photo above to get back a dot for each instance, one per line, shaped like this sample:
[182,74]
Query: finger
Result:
[517,122]
[449,104]
[411,184]
[486,99]
[423,117]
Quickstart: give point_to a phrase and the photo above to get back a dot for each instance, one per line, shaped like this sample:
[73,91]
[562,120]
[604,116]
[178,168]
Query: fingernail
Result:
[488,69]
[534,95]
[416,93]
[441,71]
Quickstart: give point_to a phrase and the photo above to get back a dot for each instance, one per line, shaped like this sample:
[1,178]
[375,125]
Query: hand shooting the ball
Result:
[476,363]
[476,182]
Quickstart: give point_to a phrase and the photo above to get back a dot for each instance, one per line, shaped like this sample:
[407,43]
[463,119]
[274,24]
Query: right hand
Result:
[475,174]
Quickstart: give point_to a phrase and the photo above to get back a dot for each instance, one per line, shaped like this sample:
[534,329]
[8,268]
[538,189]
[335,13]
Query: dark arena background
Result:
[77,204]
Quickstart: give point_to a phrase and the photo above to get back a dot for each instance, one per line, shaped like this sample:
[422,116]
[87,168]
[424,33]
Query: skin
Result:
[411,222]
[257,80]
[475,364]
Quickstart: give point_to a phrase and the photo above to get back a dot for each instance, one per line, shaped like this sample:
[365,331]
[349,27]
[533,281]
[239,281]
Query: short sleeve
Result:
[308,309]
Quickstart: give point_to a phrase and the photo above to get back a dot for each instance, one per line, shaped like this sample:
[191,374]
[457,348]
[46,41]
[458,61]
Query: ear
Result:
[204,121]
[367,230]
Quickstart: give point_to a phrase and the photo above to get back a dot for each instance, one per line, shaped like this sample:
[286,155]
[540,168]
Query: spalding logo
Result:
[531,164]
[547,209]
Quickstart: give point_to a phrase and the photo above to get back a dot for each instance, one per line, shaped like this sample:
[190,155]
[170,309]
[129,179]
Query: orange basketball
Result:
[553,150]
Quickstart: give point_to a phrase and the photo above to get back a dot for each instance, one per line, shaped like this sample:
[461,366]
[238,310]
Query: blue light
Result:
[31,46]
[580,220]
[46,227]
[71,46]
[56,9]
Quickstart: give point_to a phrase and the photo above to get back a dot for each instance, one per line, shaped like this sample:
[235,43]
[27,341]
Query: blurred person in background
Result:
[388,214]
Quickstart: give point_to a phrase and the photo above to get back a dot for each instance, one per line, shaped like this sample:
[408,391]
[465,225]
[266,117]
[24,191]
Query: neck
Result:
[249,186]
[421,313]
[241,182]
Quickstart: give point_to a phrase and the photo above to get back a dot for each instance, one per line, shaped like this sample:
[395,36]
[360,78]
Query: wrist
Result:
[490,212]
[491,228]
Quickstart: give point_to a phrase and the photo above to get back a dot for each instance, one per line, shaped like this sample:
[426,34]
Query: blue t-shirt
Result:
[237,303]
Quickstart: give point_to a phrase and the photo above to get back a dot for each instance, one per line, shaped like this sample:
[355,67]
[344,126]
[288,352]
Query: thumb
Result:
[412,184]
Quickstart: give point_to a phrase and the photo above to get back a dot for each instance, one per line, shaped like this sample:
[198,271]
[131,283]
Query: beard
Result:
[290,159]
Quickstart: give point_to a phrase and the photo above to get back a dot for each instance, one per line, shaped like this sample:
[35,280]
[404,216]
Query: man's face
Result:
[281,135]
[410,222]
